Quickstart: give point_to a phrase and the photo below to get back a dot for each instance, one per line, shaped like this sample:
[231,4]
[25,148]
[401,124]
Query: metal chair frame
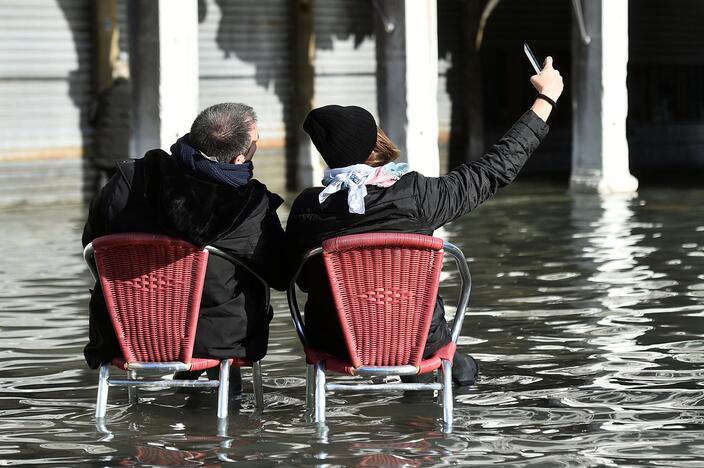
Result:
[132,382]
[316,385]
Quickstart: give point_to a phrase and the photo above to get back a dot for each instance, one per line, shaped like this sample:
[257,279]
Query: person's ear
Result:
[239,159]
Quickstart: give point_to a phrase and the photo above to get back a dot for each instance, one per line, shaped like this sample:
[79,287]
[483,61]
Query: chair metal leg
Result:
[224,388]
[320,392]
[101,404]
[447,399]
[132,391]
[310,386]
[222,427]
[257,382]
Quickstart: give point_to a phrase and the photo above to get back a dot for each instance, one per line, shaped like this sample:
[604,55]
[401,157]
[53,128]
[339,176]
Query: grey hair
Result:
[222,131]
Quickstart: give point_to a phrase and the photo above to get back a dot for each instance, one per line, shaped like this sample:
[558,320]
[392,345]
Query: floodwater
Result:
[587,316]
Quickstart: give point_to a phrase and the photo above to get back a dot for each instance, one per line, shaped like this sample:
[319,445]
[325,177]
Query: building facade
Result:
[246,52]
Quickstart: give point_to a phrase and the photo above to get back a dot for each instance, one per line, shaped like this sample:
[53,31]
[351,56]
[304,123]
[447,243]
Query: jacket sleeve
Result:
[269,256]
[442,199]
[298,241]
[95,224]
[103,206]
[103,344]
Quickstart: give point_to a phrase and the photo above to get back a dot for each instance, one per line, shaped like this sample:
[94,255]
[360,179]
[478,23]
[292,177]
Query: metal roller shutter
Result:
[666,85]
[45,94]
[666,33]
[545,24]
[123,38]
[245,57]
[345,57]
[345,61]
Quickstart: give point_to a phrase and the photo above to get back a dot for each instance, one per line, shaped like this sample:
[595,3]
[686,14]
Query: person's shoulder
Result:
[154,155]
[415,181]
[259,190]
[406,185]
[310,193]
[409,177]
[156,160]
[305,202]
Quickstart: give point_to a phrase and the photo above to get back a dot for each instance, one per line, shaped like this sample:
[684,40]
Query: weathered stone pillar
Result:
[302,166]
[163,47]
[407,79]
[106,42]
[600,100]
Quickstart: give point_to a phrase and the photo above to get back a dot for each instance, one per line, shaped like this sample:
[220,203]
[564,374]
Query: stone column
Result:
[302,166]
[163,47]
[407,79]
[106,42]
[600,101]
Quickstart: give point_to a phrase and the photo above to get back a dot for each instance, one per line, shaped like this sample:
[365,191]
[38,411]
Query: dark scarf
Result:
[192,161]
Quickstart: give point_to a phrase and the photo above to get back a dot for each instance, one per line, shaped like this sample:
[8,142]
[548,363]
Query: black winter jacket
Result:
[155,195]
[415,204]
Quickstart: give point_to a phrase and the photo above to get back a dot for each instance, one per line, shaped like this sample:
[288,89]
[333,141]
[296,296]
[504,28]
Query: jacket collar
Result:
[194,209]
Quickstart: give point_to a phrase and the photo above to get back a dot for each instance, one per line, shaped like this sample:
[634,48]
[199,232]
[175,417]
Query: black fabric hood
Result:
[200,211]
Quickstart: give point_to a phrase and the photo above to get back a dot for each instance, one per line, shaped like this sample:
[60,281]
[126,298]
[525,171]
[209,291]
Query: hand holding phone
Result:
[531,58]
[547,81]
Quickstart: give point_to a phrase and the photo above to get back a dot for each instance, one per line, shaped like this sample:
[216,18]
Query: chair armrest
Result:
[465,287]
[89,257]
[293,302]
[240,264]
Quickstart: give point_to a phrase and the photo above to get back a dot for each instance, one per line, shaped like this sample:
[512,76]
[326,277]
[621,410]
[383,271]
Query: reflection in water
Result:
[587,318]
[614,250]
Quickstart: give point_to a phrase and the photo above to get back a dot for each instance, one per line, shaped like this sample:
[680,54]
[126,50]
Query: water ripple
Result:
[587,317]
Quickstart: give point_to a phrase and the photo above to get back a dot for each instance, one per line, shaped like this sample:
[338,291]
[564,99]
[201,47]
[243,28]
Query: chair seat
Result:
[385,287]
[152,286]
[344,366]
[196,363]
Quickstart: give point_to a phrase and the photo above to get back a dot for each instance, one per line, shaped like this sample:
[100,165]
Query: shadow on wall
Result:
[240,33]
[263,33]
[249,41]
[359,24]
[80,84]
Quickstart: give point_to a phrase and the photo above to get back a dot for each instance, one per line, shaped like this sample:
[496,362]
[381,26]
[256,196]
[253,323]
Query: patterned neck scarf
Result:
[355,178]
[196,163]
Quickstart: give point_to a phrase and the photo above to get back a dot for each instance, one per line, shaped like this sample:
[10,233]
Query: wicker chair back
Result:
[385,287]
[152,286]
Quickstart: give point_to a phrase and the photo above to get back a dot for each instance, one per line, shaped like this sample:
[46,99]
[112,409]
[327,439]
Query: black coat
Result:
[415,204]
[155,195]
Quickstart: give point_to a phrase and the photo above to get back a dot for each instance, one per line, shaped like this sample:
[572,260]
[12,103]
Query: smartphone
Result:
[531,58]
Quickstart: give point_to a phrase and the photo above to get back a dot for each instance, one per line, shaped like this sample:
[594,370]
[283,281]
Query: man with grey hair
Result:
[204,193]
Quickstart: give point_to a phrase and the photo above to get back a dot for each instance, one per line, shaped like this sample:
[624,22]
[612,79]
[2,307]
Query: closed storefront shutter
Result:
[45,96]
[245,56]
[345,56]
[666,84]
[666,34]
[345,60]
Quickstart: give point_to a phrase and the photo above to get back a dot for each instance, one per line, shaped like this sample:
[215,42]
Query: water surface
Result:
[587,316]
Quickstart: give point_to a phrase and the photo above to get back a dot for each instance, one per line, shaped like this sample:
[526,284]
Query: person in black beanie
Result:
[342,135]
[204,193]
[365,191]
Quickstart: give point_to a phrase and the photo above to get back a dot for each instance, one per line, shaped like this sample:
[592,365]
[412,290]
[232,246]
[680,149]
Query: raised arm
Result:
[445,198]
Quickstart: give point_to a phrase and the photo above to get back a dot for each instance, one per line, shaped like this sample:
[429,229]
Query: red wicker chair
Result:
[385,287]
[152,286]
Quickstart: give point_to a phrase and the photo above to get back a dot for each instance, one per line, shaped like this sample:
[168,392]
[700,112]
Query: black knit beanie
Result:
[343,135]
